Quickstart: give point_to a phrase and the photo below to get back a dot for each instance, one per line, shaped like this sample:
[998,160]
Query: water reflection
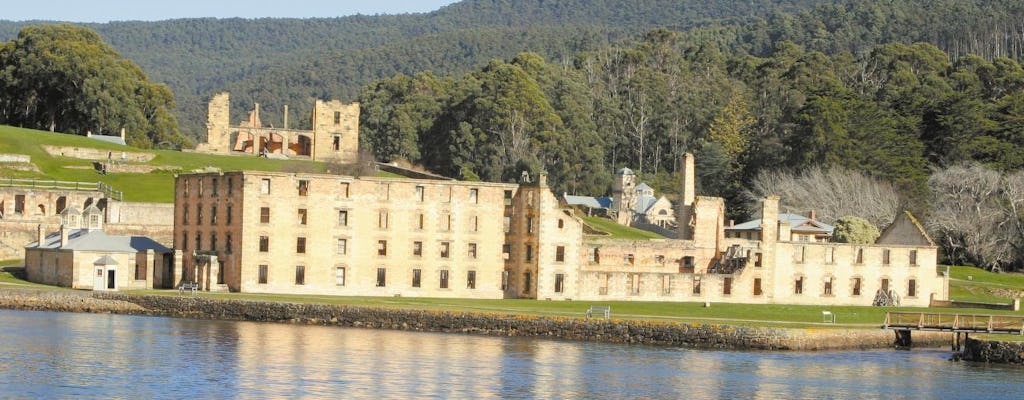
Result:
[47,355]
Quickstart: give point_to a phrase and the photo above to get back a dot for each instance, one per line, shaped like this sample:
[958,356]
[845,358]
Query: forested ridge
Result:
[906,95]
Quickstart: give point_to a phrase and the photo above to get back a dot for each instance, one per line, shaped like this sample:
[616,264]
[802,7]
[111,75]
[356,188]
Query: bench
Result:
[605,311]
[190,286]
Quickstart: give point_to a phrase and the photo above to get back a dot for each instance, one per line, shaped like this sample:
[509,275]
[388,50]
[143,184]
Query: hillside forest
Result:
[905,94]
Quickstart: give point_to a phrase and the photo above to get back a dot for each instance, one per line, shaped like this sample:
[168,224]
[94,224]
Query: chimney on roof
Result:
[810,215]
[41,235]
[63,235]
[732,222]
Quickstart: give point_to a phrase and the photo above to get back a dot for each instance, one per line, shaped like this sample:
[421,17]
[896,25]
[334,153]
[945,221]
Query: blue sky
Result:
[146,10]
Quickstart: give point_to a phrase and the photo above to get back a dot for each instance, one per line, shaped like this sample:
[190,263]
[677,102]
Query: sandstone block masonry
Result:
[613,331]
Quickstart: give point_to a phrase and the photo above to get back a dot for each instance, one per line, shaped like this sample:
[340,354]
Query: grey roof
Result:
[644,203]
[643,186]
[105,260]
[625,171]
[97,240]
[71,210]
[796,222]
[588,201]
[109,139]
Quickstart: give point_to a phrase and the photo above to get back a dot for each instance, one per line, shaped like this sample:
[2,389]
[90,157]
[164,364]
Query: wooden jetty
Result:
[960,325]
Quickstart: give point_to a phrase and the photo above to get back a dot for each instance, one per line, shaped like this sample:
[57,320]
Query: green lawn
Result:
[619,231]
[718,313]
[977,285]
[153,187]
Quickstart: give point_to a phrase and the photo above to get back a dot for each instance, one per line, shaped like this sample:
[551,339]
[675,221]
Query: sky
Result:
[147,10]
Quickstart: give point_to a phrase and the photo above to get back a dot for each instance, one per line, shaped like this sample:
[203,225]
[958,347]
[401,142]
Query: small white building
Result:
[82,256]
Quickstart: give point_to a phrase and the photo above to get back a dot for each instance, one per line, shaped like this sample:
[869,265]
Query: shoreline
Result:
[696,336]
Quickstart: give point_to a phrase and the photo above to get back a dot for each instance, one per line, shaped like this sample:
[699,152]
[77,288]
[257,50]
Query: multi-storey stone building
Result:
[327,234]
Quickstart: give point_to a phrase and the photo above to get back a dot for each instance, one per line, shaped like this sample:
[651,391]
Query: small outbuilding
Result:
[80,255]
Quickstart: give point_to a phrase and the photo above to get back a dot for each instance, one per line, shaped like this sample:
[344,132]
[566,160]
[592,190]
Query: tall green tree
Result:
[65,78]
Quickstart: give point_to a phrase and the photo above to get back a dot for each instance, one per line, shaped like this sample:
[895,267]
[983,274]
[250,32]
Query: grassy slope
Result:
[984,286]
[619,231]
[153,187]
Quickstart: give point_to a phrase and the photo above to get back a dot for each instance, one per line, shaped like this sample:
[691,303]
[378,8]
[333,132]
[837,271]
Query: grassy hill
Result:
[977,285]
[157,186]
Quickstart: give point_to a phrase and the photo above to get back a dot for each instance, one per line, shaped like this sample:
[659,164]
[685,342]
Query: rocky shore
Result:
[704,336]
[991,351]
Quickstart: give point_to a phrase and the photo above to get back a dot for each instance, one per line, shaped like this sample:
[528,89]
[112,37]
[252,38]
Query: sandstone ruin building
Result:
[335,134]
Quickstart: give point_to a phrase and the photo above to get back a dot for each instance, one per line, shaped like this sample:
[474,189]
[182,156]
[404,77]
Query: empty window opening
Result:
[382,275]
[417,275]
[262,274]
[339,276]
[300,275]
[471,280]
[444,279]
[559,283]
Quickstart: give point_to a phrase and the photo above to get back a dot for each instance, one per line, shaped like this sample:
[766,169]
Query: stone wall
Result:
[991,351]
[14,158]
[613,331]
[87,153]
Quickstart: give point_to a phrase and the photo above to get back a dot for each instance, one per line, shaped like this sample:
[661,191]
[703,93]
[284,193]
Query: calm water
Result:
[62,355]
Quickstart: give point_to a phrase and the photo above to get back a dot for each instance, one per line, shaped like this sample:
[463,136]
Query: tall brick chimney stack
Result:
[685,213]
[811,215]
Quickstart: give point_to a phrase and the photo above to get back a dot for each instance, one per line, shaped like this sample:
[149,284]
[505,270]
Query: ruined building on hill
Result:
[334,137]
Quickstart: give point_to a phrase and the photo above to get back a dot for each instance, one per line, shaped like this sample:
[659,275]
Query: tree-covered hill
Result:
[293,61]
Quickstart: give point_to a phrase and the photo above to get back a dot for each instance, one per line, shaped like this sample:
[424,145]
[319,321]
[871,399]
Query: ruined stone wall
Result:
[218,122]
[335,131]
[14,158]
[88,153]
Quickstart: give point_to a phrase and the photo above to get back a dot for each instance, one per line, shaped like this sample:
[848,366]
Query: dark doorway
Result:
[168,272]
[111,283]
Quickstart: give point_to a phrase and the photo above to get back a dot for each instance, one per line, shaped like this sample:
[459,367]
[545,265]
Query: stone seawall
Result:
[704,336]
[992,351]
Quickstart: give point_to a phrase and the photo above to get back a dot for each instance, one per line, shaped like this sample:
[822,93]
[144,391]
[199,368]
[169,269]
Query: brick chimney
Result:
[810,214]
[41,235]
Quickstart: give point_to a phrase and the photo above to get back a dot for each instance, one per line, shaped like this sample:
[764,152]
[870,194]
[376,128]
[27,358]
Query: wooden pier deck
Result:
[966,323]
[960,325]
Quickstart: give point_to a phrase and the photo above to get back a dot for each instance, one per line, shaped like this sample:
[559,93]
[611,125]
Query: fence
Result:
[104,188]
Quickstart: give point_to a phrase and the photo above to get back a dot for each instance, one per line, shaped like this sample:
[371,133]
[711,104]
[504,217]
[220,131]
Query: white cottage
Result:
[82,256]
